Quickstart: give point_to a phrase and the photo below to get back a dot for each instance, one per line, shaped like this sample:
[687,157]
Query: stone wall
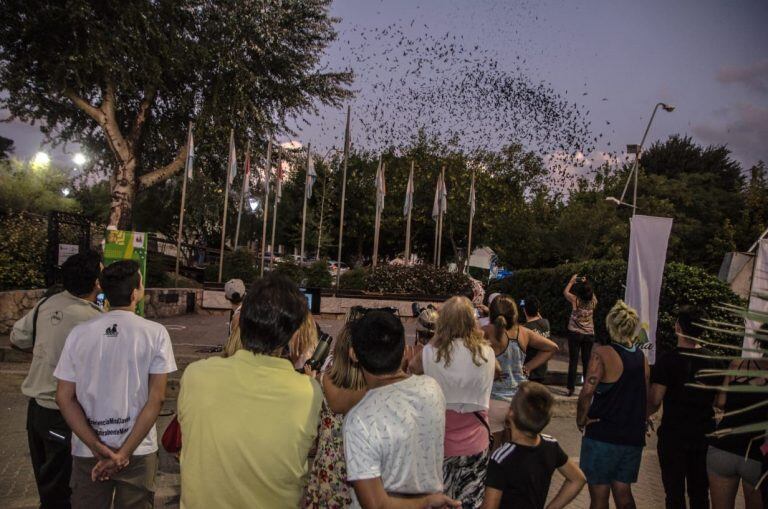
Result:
[159,303]
[14,304]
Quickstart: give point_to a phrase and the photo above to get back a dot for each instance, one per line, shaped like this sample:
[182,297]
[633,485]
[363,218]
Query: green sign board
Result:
[125,245]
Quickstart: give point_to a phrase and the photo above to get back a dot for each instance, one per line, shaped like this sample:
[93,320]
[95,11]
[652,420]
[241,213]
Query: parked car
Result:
[334,266]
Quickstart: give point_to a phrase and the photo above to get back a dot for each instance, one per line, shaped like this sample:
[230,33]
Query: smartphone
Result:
[100,300]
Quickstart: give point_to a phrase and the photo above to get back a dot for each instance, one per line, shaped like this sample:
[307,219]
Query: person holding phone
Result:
[581,325]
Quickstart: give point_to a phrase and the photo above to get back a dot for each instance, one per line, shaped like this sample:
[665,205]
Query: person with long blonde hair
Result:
[611,411]
[462,362]
[510,341]
[343,386]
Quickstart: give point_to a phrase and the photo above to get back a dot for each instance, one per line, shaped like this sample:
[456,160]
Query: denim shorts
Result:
[604,463]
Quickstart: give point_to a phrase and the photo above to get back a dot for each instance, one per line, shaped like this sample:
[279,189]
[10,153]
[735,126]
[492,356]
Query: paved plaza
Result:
[193,333]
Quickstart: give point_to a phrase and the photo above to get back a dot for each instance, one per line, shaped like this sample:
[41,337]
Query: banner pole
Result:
[274,213]
[224,216]
[343,196]
[183,201]
[408,224]
[304,214]
[471,220]
[246,176]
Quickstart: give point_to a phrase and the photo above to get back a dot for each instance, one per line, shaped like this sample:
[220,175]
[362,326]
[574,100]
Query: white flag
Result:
[472,197]
[648,240]
[381,186]
[232,163]
[408,205]
[279,181]
[757,304]
[311,176]
[437,205]
[190,154]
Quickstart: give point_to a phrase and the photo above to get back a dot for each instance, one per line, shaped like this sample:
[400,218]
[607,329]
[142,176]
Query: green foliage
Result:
[24,187]
[417,279]
[22,251]
[78,67]
[292,270]
[682,284]
[353,279]
[240,264]
[318,276]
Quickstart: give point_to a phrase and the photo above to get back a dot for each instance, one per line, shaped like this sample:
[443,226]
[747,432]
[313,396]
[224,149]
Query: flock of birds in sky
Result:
[408,79]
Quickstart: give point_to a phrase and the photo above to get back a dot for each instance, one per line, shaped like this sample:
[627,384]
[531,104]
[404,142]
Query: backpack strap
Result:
[34,319]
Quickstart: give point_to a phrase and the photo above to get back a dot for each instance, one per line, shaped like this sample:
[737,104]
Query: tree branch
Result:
[142,115]
[167,171]
[91,110]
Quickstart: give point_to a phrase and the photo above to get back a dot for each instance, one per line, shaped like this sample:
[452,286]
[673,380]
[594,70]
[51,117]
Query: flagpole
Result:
[246,176]
[226,202]
[343,196]
[471,219]
[377,220]
[408,222]
[440,218]
[304,214]
[183,201]
[274,212]
[437,221]
[267,172]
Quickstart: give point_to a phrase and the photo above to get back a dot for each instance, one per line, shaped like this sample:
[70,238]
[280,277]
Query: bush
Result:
[291,269]
[240,264]
[22,251]
[682,285]
[353,279]
[318,276]
[416,279]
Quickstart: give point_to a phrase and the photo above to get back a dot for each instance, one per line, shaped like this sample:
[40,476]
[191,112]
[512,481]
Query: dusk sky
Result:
[615,58]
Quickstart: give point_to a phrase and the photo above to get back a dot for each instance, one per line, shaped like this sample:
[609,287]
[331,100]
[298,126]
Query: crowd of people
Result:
[456,419]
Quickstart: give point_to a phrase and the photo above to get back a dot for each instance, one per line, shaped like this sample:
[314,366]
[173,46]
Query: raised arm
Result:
[371,495]
[595,373]
[567,291]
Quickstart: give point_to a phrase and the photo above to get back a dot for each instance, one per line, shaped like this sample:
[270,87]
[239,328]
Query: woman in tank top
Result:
[462,363]
[510,342]
[581,326]
[733,458]
[612,411]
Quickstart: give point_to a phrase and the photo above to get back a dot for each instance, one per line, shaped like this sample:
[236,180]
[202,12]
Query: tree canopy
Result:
[124,79]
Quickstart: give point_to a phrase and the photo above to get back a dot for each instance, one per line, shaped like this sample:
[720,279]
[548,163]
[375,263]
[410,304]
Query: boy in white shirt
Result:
[112,375]
[393,438]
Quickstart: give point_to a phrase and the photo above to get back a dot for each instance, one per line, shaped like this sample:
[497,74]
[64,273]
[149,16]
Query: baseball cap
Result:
[232,287]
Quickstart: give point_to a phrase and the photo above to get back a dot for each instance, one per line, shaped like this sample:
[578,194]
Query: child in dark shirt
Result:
[508,485]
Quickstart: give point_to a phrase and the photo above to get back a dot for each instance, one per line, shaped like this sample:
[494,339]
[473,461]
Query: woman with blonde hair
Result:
[343,386]
[462,363]
[612,411]
[510,341]
[300,347]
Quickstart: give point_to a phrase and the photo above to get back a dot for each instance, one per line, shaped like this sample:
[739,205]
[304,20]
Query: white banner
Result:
[759,284]
[647,255]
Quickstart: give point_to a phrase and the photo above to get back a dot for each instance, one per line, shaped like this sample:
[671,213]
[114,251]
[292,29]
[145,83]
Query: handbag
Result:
[172,436]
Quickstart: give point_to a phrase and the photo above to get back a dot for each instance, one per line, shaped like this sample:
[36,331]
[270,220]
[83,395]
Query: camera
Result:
[321,351]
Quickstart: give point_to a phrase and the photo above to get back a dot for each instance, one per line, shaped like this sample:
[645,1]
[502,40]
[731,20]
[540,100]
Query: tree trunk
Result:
[122,192]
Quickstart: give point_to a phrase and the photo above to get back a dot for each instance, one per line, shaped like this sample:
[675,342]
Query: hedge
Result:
[22,251]
[416,279]
[682,284]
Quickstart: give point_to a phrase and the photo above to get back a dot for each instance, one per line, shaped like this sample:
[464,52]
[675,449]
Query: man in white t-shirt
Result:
[393,438]
[112,375]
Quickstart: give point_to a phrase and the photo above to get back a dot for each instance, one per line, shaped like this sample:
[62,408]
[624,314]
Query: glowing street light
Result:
[65,192]
[79,159]
[253,203]
[41,159]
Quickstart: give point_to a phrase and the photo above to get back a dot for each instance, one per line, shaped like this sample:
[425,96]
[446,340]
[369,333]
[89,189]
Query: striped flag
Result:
[311,175]
[408,205]
[232,164]
[440,205]
[190,155]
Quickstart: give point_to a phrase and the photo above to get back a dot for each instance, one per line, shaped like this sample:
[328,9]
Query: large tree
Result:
[124,78]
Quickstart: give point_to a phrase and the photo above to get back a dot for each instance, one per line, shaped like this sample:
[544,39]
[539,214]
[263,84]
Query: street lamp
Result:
[65,192]
[41,160]
[254,203]
[79,159]
[637,150]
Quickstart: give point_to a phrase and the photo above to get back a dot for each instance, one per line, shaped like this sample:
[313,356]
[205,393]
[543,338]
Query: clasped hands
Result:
[110,461]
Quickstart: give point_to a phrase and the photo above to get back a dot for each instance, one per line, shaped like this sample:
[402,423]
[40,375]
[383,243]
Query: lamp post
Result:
[638,149]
